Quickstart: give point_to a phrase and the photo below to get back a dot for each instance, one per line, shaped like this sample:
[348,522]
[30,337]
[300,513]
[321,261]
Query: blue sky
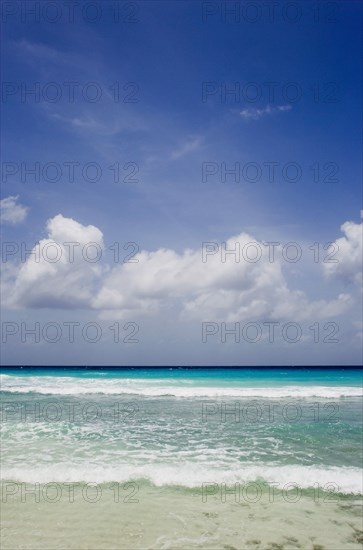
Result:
[162,61]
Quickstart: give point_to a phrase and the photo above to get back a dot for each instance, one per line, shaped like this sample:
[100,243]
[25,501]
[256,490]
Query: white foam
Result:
[51,385]
[192,475]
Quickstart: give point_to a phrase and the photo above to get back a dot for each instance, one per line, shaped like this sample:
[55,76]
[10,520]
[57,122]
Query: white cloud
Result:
[348,255]
[57,274]
[11,211]
[212,291]
[252,113]
[189,146]
[161,280]
[88,124]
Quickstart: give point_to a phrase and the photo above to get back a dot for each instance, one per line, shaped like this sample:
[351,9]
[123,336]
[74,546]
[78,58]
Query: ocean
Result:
[181,458]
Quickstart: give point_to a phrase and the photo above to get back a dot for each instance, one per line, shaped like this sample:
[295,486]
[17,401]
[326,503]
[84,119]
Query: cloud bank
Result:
[60,275]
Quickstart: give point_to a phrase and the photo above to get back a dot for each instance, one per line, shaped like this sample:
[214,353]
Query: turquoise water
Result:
[225,376]
[238,425]
[172,431]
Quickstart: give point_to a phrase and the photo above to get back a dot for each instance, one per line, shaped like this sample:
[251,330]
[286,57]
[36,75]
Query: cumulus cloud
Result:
[212,290]
[11,211]
[62,275]
[58,272]
[348,255]
[253,113]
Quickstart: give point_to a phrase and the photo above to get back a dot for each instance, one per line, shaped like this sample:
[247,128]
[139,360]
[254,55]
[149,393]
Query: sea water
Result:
[181,458]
